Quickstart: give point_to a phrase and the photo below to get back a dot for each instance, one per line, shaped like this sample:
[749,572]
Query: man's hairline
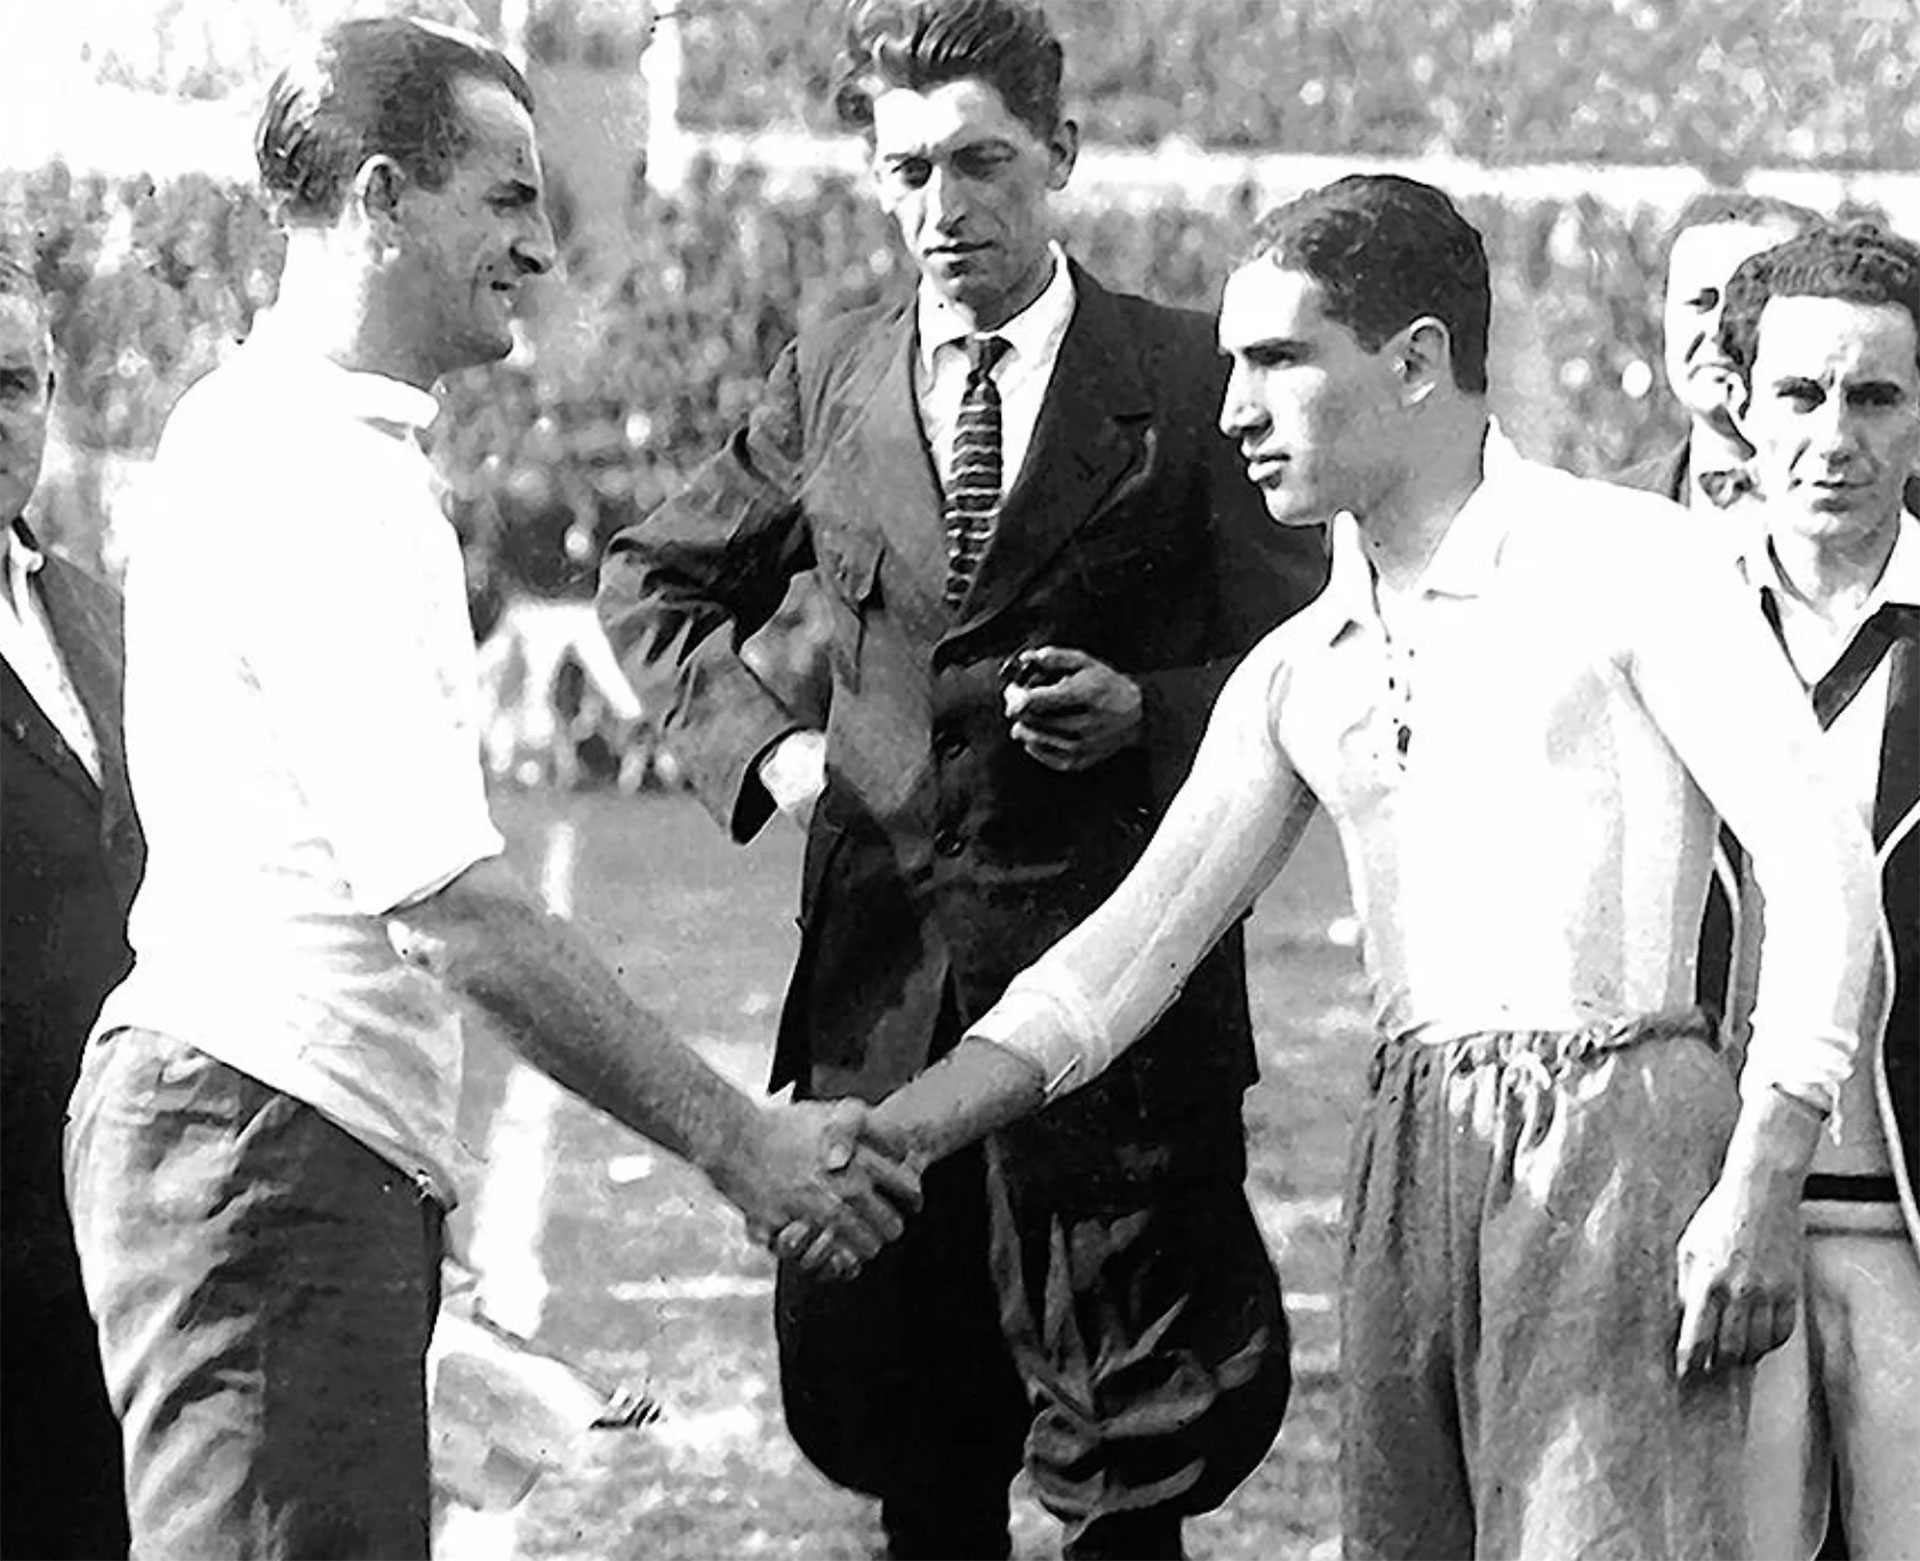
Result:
[1760,318]
[462,82]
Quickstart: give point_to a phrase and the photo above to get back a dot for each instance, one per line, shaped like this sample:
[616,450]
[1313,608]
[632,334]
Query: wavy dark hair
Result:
[1862,263]
[378,86]
[922,44]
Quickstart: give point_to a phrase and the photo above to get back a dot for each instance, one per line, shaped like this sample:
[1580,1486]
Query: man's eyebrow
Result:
[1268,347]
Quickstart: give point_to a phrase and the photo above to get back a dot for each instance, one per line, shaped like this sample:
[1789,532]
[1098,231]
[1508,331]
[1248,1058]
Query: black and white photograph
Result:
[960,780]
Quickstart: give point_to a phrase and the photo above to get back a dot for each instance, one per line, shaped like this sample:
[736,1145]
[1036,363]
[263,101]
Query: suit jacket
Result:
[1664,473]
[70,859]
[942,859]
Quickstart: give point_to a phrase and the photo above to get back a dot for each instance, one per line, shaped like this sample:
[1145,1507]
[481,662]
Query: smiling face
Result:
[1835,415]
[967,182]
[468,246]
[1703,260]
[1311,409]
[24,403]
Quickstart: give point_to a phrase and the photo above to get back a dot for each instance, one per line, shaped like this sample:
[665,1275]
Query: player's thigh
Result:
[1873,1387]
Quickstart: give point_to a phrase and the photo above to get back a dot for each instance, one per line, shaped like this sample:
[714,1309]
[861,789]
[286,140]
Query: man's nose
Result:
[534,253]
[1833,430]
[946,201]
[1239,414]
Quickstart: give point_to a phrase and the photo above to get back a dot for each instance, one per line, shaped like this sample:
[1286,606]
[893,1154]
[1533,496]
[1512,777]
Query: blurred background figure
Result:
[71,853]
[1716,231]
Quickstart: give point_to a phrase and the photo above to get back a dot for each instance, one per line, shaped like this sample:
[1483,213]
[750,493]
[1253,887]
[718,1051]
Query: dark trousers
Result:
[899,1383]
[60,1481]
[265,1287]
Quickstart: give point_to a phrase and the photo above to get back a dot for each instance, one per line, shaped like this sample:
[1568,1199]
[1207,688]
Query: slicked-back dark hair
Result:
[1860,263]
[1387,250]
[923,44]
[376,86]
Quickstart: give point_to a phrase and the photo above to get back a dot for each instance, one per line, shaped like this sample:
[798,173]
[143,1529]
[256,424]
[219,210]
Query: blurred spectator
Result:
[1715,233]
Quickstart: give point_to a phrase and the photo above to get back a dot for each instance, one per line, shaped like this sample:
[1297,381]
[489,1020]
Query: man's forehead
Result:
[1719,247]
[1264,300]
[966,112]
[502,130]
[1854,337]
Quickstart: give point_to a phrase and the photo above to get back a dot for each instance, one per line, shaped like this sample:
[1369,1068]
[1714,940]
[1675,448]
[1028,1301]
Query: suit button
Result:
[949,842]
[950,745]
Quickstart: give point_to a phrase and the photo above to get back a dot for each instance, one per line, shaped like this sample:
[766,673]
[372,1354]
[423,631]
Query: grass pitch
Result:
[651,1278]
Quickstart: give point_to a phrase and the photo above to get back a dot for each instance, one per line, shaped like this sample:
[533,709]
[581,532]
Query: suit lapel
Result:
[86,627]
[32,732]
[1094,437]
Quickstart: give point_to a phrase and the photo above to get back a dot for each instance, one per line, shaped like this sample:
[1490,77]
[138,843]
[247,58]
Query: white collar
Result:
[1462,563]
[1899,581]
[373,398]
[1028,335]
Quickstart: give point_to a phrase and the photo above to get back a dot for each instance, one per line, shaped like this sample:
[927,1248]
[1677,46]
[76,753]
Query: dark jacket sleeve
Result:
[681,591]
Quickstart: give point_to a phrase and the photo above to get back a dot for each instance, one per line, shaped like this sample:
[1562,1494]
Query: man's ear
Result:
[1423,358]
[377,188]
[1063,150]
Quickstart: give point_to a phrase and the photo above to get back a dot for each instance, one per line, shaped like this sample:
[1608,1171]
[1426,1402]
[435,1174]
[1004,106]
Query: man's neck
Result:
[1835,576]
[1404,530]
[338,312]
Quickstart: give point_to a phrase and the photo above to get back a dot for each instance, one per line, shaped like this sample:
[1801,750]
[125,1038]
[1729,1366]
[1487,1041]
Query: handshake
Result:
[823,1185]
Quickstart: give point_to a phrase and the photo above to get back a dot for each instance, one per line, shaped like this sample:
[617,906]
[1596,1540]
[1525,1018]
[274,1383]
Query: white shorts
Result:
[1836,1409]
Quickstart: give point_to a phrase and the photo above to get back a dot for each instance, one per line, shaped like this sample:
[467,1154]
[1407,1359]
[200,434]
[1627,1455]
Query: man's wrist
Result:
[1775,1138]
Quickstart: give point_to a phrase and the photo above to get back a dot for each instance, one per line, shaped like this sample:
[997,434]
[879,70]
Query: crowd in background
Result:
[669,334]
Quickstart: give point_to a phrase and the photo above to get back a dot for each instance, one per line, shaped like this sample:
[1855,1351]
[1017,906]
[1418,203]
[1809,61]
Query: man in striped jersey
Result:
[1824,333]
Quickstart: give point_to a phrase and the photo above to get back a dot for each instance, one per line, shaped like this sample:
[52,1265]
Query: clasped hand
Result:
[1070,710]
[832,1189]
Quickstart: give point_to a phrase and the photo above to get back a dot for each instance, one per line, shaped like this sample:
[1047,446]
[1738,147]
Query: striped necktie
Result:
[973,487]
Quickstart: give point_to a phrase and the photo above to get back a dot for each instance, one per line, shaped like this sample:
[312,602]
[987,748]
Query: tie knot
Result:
[984,352]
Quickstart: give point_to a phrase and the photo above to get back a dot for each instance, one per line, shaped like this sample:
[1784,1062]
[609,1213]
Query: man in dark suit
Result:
[1715,232]
[72,854]
[1041,564]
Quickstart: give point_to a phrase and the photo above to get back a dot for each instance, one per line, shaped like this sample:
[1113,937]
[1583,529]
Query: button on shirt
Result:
[302,739]
[1583,667]
[27,642]
[1033,338]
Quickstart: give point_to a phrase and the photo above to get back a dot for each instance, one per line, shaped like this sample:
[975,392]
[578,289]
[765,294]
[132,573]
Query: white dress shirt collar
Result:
[1462,564]
[373,398]
[1033,335]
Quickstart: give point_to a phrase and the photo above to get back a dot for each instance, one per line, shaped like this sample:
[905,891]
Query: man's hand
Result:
[1740,1257]
[851,1134]
[794,772]
[1069,710]
[811,1169]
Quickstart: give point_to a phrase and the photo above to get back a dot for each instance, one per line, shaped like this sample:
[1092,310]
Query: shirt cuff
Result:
[1809,1067]
[1050,1031]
